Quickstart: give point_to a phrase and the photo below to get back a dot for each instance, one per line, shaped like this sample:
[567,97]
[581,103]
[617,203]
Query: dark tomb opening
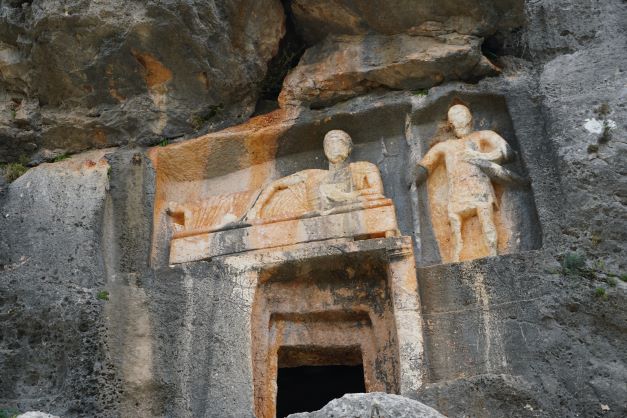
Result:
[309,388]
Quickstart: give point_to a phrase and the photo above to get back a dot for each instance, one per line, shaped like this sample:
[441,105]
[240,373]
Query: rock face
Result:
[318,19]
[95,322]
[51,318]
[36,414]
[79,75]
[372,405]
[344,67]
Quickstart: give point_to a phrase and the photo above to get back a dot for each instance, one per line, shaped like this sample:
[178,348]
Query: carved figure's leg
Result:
[486,219]
[455,220]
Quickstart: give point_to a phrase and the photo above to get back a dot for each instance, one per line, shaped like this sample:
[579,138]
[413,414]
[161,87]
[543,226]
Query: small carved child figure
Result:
[469,171]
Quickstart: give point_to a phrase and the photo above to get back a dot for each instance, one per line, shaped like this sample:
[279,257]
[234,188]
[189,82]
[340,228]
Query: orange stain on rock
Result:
[155,73]
[100,138]
[180,168]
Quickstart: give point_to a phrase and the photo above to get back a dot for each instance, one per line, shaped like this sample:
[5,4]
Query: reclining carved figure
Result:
[343,187]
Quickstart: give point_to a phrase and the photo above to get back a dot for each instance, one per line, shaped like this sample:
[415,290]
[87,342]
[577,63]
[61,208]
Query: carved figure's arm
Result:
[500,174]
[338,196]
[418,172]
[269,191]
[501,151]
[432,157]
[374,184]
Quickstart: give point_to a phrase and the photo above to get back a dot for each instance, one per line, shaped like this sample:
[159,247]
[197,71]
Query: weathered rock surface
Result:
[51,319]
[530,337]
[36,414]
[357,405]
[347,66]
[79,75]
[318,19]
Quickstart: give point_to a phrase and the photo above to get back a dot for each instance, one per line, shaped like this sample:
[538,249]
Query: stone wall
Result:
[94,322]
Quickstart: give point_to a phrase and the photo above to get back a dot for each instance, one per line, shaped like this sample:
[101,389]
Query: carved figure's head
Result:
[460,118]
[337,146]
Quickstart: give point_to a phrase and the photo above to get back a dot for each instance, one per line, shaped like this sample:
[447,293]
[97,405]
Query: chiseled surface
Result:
[460,192]
[367,222]
[514,335]
[335,295]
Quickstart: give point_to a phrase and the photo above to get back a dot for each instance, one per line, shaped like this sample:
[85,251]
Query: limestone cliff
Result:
[112,110]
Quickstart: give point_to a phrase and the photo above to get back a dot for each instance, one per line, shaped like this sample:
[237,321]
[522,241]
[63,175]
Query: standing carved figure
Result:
[471,161]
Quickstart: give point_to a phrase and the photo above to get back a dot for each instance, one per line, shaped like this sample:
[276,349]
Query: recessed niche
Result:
[513,216]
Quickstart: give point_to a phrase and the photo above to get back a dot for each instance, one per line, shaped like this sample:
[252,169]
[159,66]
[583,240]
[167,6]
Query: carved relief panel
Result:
[474,200]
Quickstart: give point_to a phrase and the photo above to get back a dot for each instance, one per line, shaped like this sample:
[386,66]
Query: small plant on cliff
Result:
[103,295]
[573,263]
[600,293]
[603,112]
[198,121]
[60,158]
[13,171]
[421,92]
[164,142]
[9,413]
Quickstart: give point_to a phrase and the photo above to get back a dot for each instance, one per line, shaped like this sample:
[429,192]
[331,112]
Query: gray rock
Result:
[80,75]
[343,67]
[376,404]
[318,19]
[493,395]
[51,320]
[36,414]
[534,340]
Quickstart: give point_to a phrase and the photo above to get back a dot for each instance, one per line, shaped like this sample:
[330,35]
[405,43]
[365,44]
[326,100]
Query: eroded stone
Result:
[343,67]
[318,19]
[469,163]
[311,205]
[372,405]
[81,75]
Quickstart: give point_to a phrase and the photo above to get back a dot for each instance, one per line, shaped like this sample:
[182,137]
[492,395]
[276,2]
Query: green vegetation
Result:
[164,142]
[9,413]
[214,110]
[60,158]
[573,263]
[103,295]
[12,171]
[596,239]
[198,121]
[603,112]
[421,92]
